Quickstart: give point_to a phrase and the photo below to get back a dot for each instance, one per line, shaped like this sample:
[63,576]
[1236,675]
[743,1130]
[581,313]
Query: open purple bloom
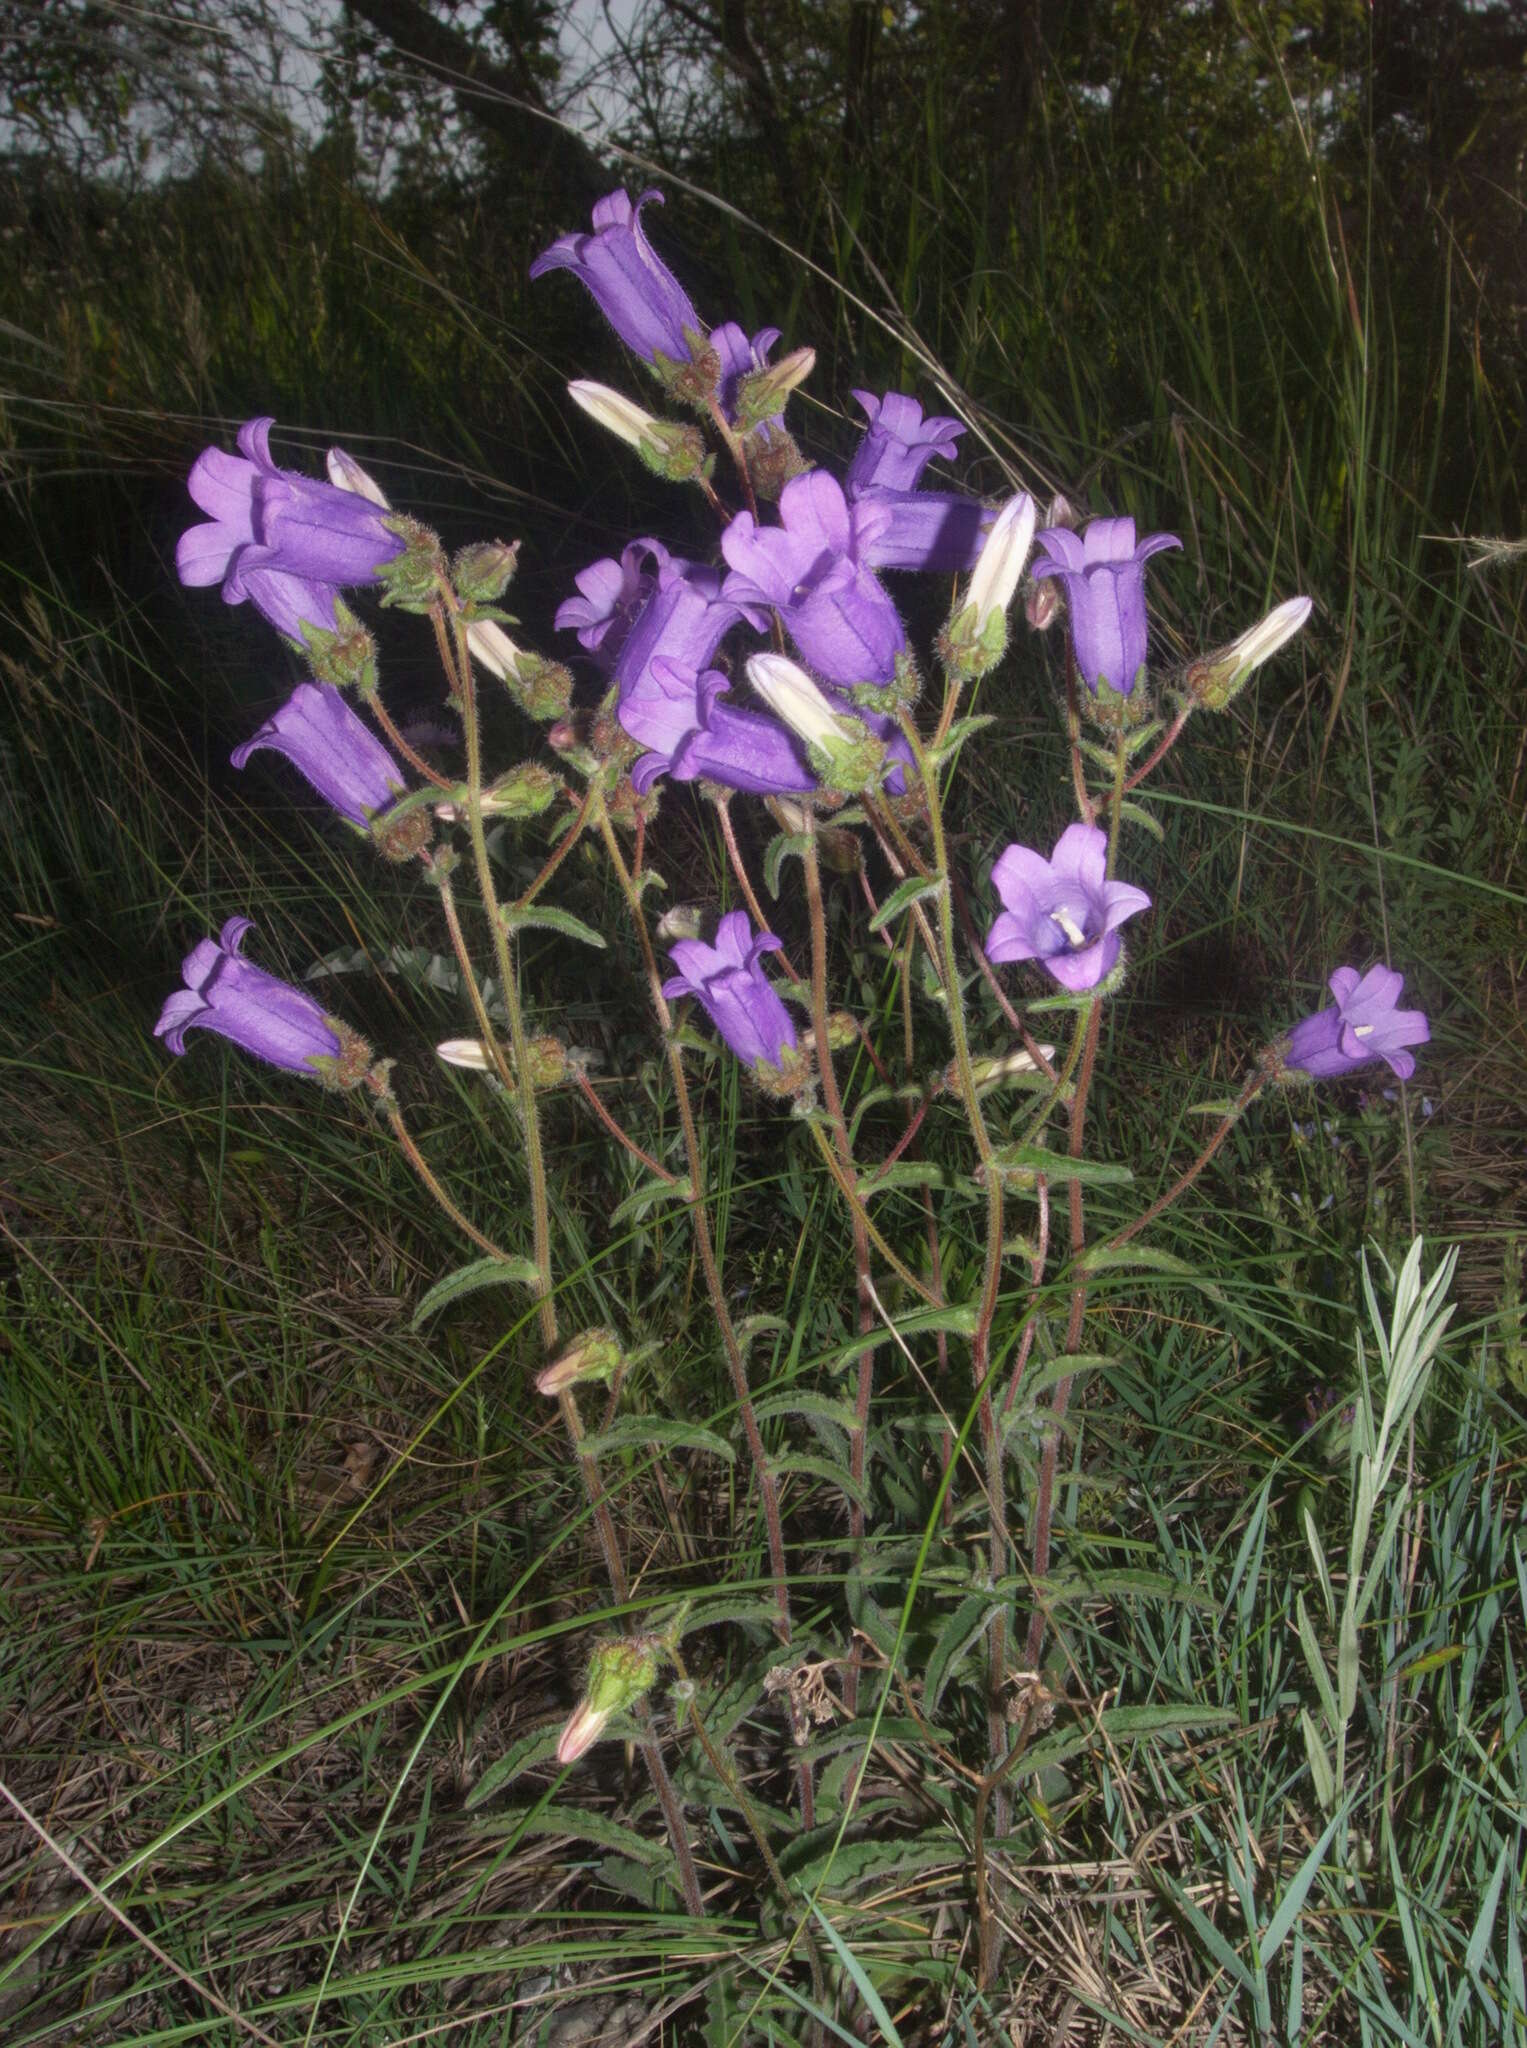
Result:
[734,990]
[336,750]
[1103,572]
[898,444]
[684,618]
[264,1015]
[940,531]
[636,292]
[678,713]
[610,595]
[810,569]
[287,542]
[1364,1025]
[1063,911]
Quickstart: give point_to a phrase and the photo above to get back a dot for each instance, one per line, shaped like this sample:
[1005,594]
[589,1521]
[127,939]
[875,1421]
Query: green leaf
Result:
[1293,1899]
[821,1468]
[962,730]
[582,1826]
[511,1272]
[642,1432]
[546,916]
[1121,1724]
[1112,1258]
[649,1191]
[905,1173]
[1321,1776]
[819,1407]
[960,1322]
[1058,1168]
[874,2004]
[964,1627]
[1137,814]
[538,1747]
[778,850]
[903,896]
[1315,1659]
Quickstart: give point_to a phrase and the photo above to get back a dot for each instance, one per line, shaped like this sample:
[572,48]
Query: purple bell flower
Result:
[1063,911]
[811,570]
[734,990]
[940,531]
[898,444]
[678,714]
[685,617]
[1103,572]
[636,292]
[337,752]
[610,594]
[257,1011]
[1364,1025]
[287,542]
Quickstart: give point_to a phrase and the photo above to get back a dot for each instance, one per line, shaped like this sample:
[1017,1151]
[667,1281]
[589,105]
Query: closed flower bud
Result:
[976,637]
[470,1053]
[1214,680]
[593,1355]
[1041,606]
[620,1673]
[484,571]
[546,1059]
[773,460]
[524,792]
[667,448]
[761,394]
[842,750]
[346,474]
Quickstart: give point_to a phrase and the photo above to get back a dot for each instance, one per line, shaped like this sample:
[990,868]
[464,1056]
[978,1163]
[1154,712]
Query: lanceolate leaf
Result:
[903,896]
[550,918]
[641,1432]
[513,1272]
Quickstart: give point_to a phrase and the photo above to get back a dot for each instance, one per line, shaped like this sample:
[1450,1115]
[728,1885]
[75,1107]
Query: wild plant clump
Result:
[779,678]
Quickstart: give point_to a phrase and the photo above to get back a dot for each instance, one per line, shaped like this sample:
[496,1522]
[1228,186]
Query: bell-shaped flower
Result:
[1103,572]
[810,569]
[287,542]
[336,751]
[634,289]
[898,444]
[740,1000]
[684,617]
[257,1011]
[610,594]
[940,531]
[1362,1025]
[679,714]
[1063,912]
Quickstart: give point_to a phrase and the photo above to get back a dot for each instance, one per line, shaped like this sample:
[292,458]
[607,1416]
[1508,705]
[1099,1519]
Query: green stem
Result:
[705,1249]
[431,1184]
[833,1103]
[991,1277]
[535,1164]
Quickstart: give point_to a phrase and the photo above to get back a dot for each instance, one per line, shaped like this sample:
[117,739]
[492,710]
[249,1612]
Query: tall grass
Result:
[295,1596]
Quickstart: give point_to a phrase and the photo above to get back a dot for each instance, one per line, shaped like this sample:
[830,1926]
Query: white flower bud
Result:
[464,1052]
[996,574]
[1216,678]
[346,474]
[494,649]
[795,700]
[617,414]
